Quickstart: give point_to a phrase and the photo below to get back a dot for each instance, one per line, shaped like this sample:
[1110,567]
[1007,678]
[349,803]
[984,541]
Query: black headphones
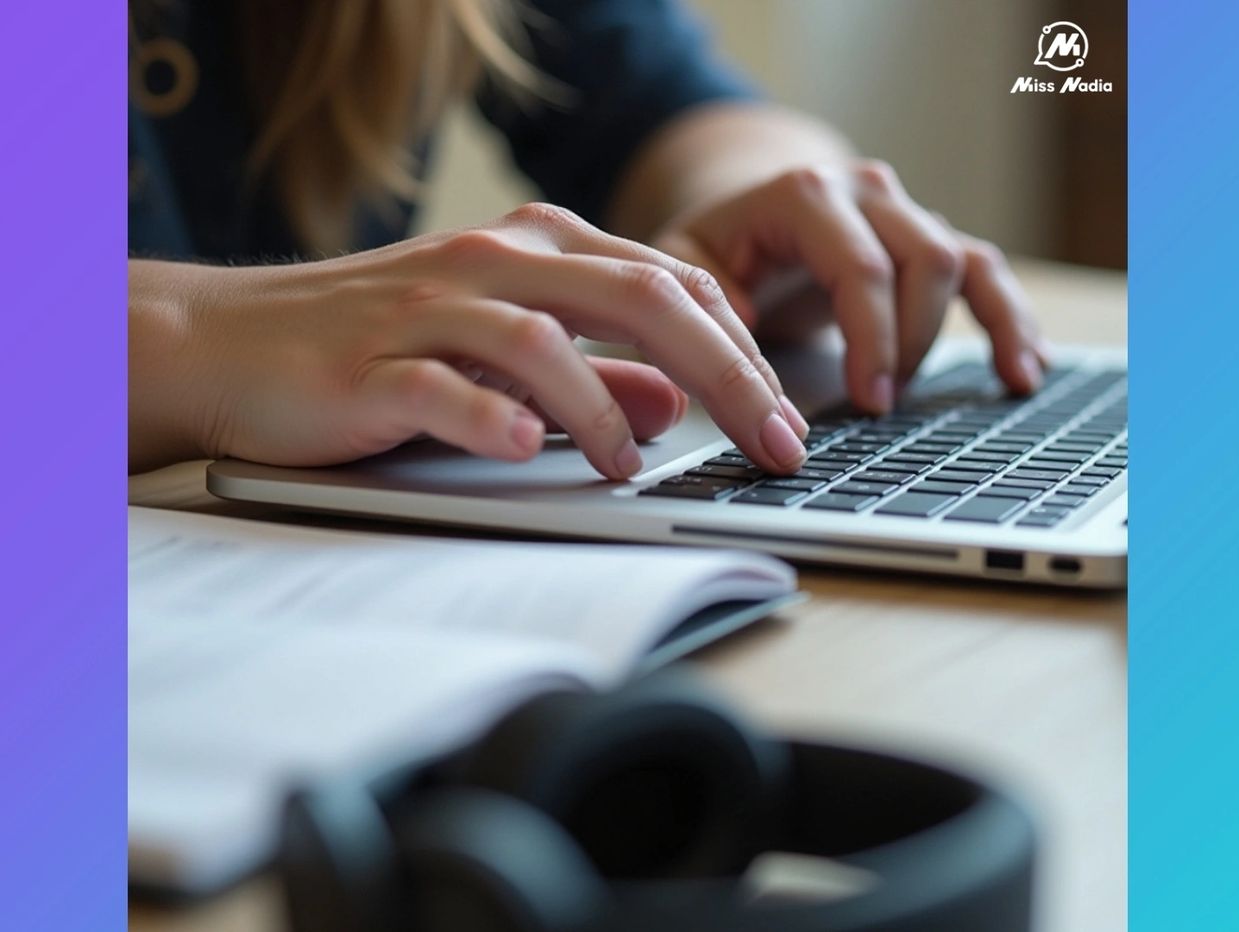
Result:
[638,811]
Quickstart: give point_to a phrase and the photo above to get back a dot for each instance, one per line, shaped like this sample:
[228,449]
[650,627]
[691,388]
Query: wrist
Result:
[176,404]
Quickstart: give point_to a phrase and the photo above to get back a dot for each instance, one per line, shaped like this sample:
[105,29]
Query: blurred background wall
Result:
[924,84]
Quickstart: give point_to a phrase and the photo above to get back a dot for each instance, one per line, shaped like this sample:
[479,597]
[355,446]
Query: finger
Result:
[680,245]
[930,264]
[1000,306]
[532,348]
[644,305]
[652,403]
[406,397]
[573,235]
[835,241]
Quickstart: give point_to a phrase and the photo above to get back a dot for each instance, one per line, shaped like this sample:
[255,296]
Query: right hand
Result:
[324,362]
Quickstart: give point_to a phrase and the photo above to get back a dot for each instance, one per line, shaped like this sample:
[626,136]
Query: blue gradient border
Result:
[62,410]
[1184,623]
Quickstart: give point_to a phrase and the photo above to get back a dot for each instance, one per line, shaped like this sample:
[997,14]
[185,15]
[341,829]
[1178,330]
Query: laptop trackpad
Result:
[431,466]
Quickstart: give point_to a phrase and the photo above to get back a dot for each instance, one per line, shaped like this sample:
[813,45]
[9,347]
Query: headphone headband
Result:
[640,810]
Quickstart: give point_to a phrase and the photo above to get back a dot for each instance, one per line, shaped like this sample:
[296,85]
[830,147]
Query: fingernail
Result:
[781,445]
[628,460]
[526,431]
[793,417]
[882,393]
[1032,369]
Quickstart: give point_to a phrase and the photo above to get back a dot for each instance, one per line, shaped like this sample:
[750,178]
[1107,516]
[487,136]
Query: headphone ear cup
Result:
[338,863]
[483,862]
[657,779]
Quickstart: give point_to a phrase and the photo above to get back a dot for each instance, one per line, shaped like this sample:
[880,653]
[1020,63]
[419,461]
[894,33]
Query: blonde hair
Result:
[346,89]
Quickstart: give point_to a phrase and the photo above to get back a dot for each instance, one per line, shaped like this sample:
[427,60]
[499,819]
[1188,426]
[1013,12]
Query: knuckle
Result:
[542,214]
[763,367]
[471,247]
[653,284]
[420,381]
[808,180]
[608,419]
[944,259]
[484,414]
[875,173]
[537,335]
[703,286]
[738,375]
[870,267]
[987,256]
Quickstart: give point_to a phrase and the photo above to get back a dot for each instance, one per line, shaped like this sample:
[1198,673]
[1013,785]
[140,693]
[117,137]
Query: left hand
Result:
[889,267]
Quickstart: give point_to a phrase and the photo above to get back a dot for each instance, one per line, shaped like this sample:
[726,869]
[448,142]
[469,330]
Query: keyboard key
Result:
[1060,457]
[841,456]
[935,448]
[1072,447]
[992,446]
[730,461]
[916,504]
[1049,465]
[912,457]
[1101,472]
[949,436]
[987,457]
[677,487]
[768,496]
[959,475]
[1039,484]
[852,446]
[1051,511]
[1085,479]
[941,488]
[986,510]
[800,485]
[1069,492]
[880,475]
[1010,491]
[833,501]
[725,472]
[895,464]
[1075,488]
[839,466]
[885,438]
[863,488]
[825,475]
[1043,521]
[1022,473]
[1063,501]
[1113,462]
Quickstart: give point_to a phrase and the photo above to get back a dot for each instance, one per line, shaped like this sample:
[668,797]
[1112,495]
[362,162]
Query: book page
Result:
[611,601]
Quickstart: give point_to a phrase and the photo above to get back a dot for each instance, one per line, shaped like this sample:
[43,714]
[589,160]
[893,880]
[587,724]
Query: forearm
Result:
[711,152]
[165,415]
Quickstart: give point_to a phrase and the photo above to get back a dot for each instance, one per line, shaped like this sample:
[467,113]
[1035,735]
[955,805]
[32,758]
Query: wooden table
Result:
[1028,685]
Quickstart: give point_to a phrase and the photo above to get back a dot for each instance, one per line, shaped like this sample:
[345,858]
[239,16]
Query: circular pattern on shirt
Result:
[163,77]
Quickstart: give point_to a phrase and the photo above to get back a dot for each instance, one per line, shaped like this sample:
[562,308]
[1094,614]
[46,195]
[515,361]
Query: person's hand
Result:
[889,269]
[325,362]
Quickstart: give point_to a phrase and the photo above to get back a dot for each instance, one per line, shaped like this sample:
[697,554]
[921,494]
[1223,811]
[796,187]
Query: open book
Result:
[264,654]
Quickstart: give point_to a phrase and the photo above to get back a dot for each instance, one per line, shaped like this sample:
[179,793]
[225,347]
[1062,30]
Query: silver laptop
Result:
[961,479]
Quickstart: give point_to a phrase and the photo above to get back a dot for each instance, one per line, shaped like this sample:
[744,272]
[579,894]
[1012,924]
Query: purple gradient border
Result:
[62,472]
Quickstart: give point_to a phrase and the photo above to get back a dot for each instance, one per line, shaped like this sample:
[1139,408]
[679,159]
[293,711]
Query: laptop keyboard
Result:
[958,449]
